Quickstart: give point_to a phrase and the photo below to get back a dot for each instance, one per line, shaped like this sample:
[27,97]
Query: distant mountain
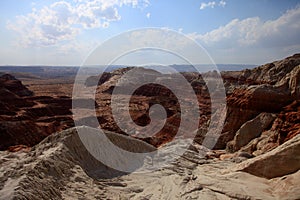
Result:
[210,67]
[40,71]
[191,68]
[71,71]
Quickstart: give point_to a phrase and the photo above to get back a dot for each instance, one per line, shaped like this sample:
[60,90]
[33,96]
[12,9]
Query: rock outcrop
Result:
[268,88]
[14,85]
[271,73]
[50,166]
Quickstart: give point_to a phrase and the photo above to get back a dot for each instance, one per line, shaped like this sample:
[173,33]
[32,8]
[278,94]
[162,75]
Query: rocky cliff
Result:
[275,91]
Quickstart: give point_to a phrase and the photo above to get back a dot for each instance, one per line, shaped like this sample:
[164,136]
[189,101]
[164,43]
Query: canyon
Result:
[256,155]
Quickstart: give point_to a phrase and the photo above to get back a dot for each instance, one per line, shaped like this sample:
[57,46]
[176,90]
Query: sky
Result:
[65,32]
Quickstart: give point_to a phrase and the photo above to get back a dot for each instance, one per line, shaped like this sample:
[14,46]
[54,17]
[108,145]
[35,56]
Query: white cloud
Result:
[63,21]
[46,26]
[253,40]
[212,4]
[222,3]
[283,31]
[164,37]
[153,44]
[148,15]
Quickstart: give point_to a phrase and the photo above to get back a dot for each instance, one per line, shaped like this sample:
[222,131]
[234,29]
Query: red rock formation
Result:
[17,148]
[246,102]
[288,122]
[12,84]
[269,88]
[144,97]
[27,119]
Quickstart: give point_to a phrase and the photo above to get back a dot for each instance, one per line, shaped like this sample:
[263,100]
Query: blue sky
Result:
[64,32]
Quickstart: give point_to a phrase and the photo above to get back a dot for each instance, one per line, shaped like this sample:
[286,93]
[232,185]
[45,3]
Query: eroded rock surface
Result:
[267,88]
[61,168]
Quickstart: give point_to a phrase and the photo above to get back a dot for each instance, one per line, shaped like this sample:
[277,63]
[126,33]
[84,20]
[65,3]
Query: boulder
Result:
[281,161]
[250,130]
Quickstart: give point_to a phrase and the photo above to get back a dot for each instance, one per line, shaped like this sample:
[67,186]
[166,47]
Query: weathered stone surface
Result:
[281,161]
[61,168]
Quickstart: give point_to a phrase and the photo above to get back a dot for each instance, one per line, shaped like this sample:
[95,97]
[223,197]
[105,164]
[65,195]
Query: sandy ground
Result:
[50,87]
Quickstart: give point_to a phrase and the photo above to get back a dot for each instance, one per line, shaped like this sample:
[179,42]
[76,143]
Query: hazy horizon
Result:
[161,68]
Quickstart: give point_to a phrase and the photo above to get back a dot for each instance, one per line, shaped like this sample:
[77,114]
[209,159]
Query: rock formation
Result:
[280,83]
[13,85]
[26,119]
